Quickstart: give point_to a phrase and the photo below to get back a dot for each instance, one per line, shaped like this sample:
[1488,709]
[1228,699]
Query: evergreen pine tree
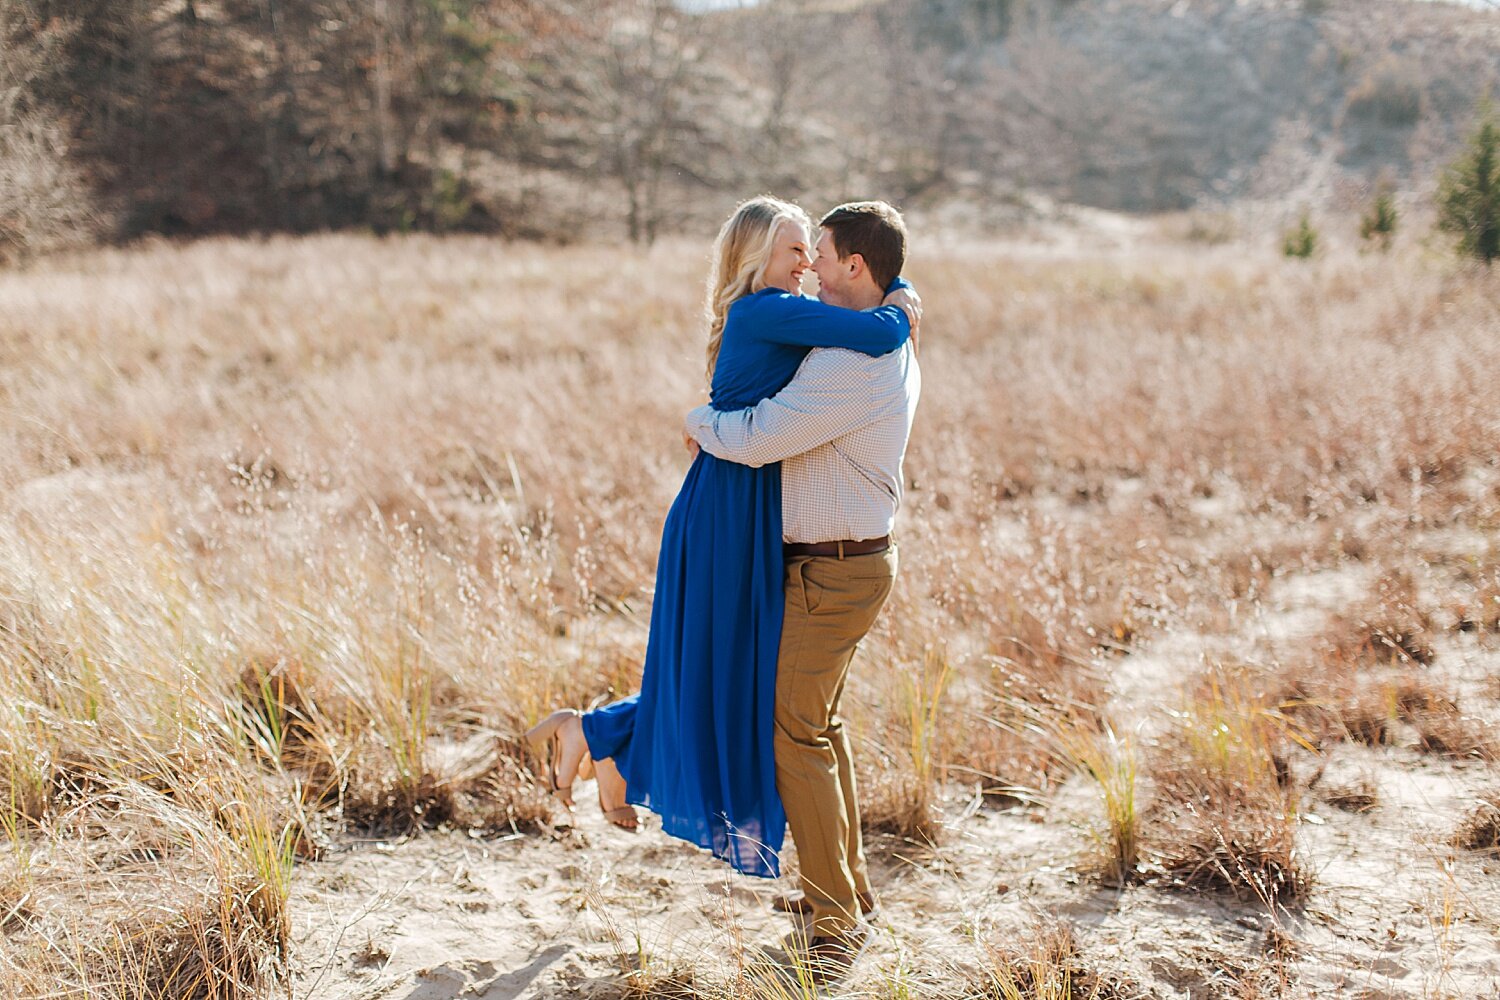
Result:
[1379,224]
[1469,196]
[1301,242]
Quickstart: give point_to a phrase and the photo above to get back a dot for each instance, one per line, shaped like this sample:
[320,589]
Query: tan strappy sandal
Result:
[545,740]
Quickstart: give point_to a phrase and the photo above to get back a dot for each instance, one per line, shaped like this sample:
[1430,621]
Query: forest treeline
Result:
[233,115]
[561,118]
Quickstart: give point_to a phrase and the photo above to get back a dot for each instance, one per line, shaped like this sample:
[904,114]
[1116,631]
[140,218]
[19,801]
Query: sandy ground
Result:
[570,912]
[445,916]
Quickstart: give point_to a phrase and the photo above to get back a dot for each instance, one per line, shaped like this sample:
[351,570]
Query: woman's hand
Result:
[911,303]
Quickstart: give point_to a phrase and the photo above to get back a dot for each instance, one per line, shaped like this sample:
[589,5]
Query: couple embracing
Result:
[775,560]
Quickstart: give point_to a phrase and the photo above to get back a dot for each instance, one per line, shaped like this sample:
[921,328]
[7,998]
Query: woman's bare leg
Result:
[612,794]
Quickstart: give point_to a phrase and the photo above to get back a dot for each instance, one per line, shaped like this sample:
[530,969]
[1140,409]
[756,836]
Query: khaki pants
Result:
[831,604]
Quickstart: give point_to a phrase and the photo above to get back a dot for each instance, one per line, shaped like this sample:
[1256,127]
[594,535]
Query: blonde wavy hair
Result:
[740,254]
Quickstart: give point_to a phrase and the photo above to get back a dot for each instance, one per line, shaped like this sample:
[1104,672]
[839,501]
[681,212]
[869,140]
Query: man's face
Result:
[833,274]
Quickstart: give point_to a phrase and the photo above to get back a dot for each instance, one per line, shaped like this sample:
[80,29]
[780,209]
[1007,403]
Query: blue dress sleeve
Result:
[803,322]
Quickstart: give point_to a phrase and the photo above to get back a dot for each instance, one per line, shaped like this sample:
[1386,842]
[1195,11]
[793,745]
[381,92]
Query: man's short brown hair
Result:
[875,231]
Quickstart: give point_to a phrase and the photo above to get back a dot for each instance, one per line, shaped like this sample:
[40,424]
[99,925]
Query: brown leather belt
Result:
[841,549]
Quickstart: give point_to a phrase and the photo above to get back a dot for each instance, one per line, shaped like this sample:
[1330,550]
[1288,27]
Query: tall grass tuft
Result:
[1109,761]
[1047,966]
[902,798]
[1480,829]
[1226,811]
[1080,742]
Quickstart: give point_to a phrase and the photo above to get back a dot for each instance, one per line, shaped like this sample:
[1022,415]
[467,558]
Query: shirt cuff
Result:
[699,423]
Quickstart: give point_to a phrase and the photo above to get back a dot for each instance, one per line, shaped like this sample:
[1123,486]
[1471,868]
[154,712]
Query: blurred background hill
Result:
[574,119]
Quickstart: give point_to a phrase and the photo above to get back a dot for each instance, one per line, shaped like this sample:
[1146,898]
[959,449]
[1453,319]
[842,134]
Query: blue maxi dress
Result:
[695,745]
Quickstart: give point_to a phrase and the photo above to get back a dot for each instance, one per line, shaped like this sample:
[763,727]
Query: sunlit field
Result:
[1190,685]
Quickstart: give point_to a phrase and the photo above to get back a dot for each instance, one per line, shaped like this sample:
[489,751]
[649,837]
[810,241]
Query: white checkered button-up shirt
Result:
[840,429]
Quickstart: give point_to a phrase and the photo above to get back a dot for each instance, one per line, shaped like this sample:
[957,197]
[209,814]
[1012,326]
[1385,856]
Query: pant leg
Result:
[854,847]
[854,842]
[830,604]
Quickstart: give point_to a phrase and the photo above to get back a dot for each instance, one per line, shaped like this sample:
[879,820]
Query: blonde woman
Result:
[695,745]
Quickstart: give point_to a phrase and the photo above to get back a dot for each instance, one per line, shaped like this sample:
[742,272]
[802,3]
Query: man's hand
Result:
[911,303]
[691,444]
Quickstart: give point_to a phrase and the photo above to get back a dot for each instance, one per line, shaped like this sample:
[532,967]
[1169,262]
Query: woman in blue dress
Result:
[695,744]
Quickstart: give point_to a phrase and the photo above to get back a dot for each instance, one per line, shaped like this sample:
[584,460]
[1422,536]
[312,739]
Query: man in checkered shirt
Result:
[839,429]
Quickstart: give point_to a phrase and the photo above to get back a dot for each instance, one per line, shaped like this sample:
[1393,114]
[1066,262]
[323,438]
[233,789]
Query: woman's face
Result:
[790,258]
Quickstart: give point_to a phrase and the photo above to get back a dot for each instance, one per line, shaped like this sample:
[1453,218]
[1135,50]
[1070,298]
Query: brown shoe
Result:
[796,903]
[830,957]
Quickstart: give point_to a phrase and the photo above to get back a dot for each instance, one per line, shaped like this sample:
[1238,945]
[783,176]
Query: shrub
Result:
[1388,98]
[1212,228]
[1479,609]
[901,797]
[1333,702]
[1084,743]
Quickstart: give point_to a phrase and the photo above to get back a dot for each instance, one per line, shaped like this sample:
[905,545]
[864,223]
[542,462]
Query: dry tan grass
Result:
[170,884]
[334,519]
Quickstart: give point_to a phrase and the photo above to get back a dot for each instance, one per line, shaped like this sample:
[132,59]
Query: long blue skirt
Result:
[695,745]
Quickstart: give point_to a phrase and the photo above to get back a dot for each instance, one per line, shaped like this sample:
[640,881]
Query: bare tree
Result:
[652,62]
[779,57]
